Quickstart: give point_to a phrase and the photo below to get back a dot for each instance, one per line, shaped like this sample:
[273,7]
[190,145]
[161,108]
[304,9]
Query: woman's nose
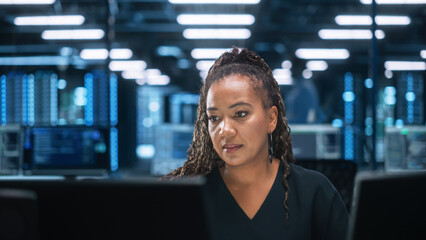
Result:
[227,129]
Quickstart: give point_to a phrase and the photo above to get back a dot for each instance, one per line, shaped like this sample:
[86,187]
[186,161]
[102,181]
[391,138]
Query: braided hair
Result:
[202,158]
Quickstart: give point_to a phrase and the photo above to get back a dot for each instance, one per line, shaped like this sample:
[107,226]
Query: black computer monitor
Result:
[389,206]
[139,208]
[76,150]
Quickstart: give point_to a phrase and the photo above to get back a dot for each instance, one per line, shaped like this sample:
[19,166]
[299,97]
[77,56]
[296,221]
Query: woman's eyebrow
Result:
[232,106]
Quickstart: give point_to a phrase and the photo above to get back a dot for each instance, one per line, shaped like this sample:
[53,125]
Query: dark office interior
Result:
[98,101]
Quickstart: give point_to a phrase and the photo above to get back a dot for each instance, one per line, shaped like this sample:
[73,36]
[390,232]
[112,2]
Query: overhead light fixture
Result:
[354,34]
[216,33]
[120,53]
[152,72]
[317,65]
[129,65]
[405,65]
[102,53]
[204,65]
[133,74]
[94,54]
[322,53]
[29,2]
[423,53]
[34,61]
[76,34]
[214,1]
[169,51]
[394,1]
[158,80]
[366,20]
[283,76]
[208,53]
[49,20]
[215,19]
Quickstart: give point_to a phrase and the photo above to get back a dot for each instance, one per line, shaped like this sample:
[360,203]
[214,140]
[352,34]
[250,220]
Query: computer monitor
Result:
[138,208]
[389,206]
[75,150]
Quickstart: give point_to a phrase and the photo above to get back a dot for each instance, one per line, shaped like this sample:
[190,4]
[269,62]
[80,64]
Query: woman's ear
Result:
[273,118]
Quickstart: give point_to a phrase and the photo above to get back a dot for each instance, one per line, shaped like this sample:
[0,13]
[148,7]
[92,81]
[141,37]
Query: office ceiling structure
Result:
[151,30]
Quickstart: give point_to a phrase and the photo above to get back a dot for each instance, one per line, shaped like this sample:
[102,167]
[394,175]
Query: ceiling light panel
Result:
[49,20]
[405,65]
[214,1]
[394,1]
[77,34]
[217,33]
[322,53]
[366,20]
[208,53]
[354,34]
[29,2]
[215,19]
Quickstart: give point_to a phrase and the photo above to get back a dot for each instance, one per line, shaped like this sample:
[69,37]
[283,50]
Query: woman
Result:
[242,144]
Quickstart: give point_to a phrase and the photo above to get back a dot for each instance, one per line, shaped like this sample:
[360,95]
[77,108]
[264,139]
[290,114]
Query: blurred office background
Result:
[114,84]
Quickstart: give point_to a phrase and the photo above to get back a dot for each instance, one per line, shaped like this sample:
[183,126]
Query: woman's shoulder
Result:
[308,179]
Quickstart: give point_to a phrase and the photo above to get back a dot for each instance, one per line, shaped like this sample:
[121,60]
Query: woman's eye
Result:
[213,118]
[241,114]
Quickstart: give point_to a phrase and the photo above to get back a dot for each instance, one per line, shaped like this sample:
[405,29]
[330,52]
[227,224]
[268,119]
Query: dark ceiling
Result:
[280,28]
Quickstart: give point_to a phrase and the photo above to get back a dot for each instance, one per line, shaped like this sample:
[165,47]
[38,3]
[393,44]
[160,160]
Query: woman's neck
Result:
[249,174]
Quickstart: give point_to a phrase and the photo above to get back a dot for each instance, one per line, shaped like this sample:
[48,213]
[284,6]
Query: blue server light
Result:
[349,98]
[3,100]
[31,106]
[88,110]
[25,100]
[53,99]
[410,97]
[114,148]
[113,99]
[17,98]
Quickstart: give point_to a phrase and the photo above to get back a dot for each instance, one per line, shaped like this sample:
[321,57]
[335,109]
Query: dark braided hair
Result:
[202,157]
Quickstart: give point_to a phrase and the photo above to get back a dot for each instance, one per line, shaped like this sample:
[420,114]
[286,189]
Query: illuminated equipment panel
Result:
[67,151]
[10,149]
[316,141]
[172,143]
[405,148]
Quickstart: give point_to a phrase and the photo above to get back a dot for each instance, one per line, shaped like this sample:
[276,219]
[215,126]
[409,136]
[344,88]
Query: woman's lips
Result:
[230,148]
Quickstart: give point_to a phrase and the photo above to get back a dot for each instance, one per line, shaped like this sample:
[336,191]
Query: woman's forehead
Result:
[232,88]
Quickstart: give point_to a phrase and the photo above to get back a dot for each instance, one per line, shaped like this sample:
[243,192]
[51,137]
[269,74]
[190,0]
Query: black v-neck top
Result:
[316,210]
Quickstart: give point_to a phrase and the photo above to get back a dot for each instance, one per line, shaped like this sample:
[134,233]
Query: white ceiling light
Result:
[76,34]
[349,34]
[214,1]
[216,33]
[405,65]
[322,53]
[98,53]
[423,53]
[394,1]
[152,72]
[32,2]
[133,74]
[215,19]
[49,20]
[158,80]
[120,53]
[283,76]
[127,65]
[366,20]
[102,53]
[317,65]
[204,65]
[208,53]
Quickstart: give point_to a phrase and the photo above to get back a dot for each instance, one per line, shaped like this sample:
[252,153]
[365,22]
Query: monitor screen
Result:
[66,150]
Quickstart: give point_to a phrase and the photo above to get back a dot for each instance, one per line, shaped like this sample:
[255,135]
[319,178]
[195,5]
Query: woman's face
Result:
[238,122]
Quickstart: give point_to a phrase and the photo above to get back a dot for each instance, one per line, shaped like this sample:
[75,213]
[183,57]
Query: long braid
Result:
[202,158]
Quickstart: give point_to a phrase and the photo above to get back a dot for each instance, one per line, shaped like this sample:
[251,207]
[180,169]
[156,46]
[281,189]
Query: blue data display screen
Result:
[57,148]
